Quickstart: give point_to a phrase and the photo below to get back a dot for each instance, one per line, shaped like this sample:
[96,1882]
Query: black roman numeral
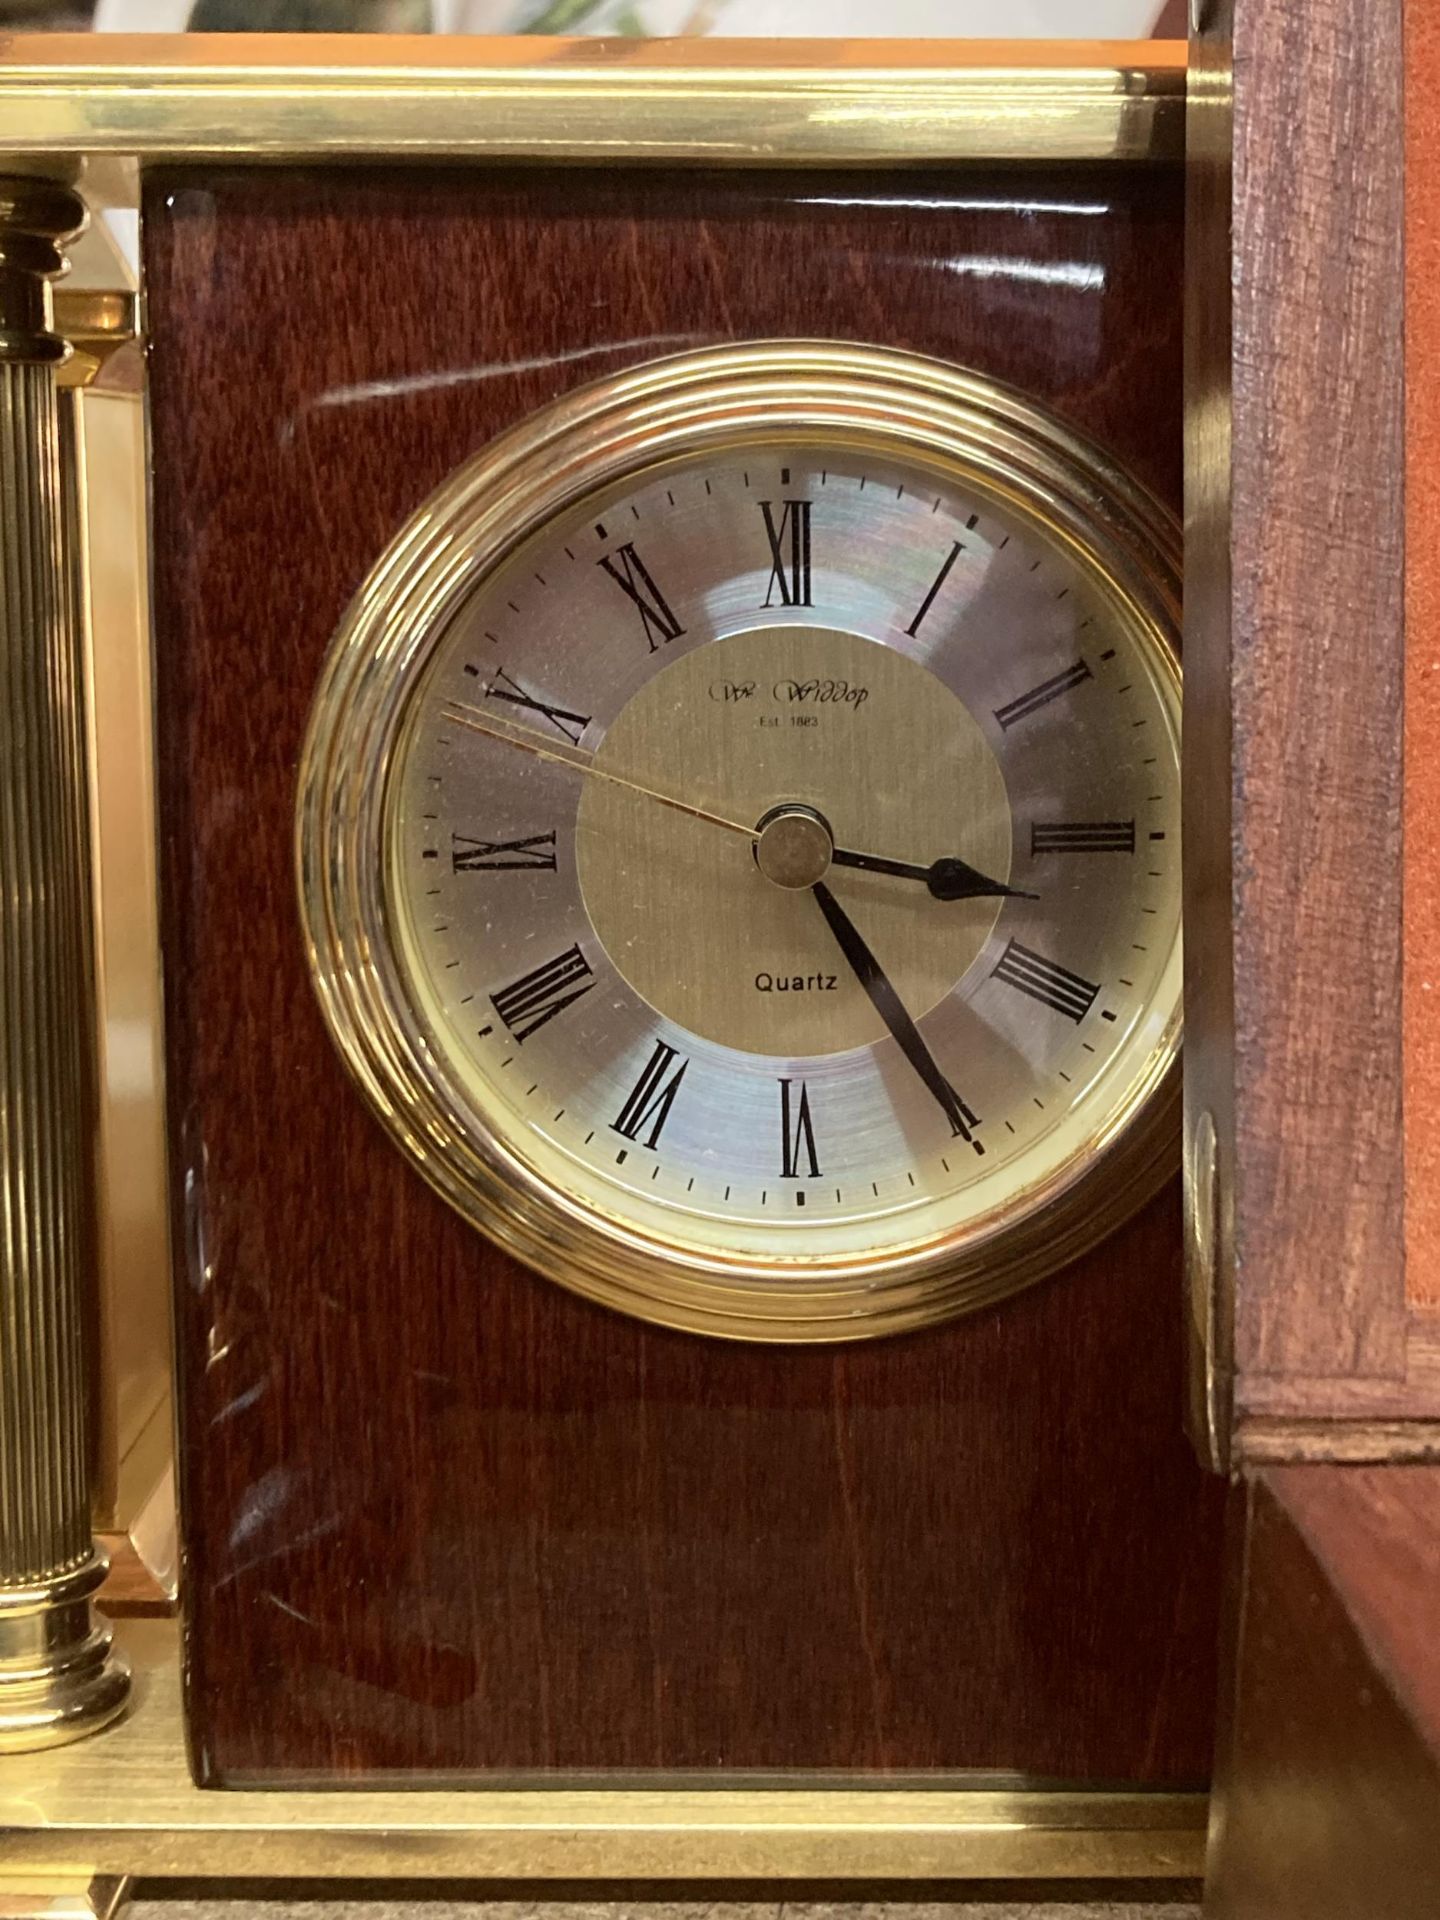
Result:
[527,1003]
[502,687]
[1053,985]
[652,1096]
[796,1131]
[935,586]
[789,571]
[633,576]
[535,851]
[1083,836]
[1042,695]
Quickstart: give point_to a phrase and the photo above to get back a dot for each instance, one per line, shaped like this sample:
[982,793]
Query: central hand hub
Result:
[793,846]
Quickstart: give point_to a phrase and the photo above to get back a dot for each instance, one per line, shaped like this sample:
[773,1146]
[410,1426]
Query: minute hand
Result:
[948,878]
[891,1009]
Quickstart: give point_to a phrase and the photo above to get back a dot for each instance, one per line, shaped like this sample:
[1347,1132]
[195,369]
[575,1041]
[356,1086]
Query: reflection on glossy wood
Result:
[1328,1790]
[442,1516]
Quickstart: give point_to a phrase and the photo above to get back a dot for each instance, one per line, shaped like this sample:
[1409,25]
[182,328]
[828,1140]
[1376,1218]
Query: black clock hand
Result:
[891,1009]
[949,878]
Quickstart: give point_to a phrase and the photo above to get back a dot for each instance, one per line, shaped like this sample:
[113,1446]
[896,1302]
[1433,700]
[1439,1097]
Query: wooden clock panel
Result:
[441,1517]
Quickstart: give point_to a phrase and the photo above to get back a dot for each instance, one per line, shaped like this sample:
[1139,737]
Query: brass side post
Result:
[58,1676]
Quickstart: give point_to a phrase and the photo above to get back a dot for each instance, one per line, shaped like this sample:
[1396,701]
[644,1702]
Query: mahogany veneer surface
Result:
[439,1515]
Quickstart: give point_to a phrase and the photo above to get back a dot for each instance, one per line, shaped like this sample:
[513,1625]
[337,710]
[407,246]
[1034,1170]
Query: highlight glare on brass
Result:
[719,102]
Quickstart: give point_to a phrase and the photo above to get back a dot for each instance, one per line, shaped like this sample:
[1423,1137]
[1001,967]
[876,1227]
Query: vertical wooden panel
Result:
[1422,680]
[1317,459]
[1301,661]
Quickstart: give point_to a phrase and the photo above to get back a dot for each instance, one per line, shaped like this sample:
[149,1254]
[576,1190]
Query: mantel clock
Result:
[667,758]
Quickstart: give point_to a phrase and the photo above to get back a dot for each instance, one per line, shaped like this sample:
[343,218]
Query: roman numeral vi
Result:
[796,1132]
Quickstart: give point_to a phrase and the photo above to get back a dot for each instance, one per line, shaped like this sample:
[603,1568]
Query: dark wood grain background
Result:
[439,1515]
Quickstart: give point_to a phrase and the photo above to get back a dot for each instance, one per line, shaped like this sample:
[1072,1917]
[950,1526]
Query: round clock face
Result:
[740,842]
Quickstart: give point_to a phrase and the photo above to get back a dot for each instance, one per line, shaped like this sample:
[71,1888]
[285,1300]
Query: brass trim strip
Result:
[126,1804]
[733,102]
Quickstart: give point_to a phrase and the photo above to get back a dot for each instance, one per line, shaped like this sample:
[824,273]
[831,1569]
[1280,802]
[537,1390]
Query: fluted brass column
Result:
[58,1676]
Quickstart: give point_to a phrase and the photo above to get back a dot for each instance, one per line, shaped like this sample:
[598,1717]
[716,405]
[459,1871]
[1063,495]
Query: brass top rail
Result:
[244,97]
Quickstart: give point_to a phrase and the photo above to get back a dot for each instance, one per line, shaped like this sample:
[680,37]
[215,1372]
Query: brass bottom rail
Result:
[122,1803]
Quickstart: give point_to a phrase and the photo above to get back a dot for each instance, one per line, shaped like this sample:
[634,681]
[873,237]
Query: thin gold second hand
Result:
[581,762]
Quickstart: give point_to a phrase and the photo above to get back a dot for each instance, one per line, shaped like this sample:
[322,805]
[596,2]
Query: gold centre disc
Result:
[789,722]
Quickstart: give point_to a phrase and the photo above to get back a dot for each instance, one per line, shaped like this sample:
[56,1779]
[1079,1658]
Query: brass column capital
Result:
[58,1677]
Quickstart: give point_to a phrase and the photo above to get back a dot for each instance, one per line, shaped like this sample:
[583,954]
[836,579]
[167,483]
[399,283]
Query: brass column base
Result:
[59,1677]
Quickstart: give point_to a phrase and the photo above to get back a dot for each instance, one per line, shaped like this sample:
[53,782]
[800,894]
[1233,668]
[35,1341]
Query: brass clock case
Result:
[513,1186]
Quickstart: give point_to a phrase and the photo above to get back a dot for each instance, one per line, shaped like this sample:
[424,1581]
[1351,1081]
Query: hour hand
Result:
[948,878]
